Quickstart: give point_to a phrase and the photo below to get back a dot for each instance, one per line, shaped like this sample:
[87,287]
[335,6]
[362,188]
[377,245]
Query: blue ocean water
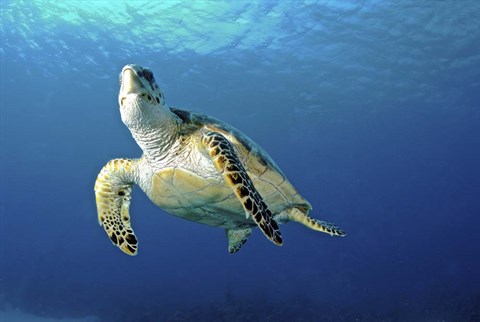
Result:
[371,108]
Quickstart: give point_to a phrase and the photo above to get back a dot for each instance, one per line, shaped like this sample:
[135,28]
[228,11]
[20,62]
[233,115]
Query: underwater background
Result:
[371,108]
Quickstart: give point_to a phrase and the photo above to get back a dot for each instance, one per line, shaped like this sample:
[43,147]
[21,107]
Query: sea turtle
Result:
[195,167]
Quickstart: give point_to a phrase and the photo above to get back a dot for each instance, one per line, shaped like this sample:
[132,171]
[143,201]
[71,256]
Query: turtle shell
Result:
[210,200]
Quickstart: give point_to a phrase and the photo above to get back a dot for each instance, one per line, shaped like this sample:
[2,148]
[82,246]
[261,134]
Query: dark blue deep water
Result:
[371,108]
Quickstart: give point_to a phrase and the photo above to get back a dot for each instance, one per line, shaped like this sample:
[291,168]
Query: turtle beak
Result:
[129,84]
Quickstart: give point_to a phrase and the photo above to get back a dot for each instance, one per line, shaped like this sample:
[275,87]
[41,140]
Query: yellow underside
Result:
[209,200]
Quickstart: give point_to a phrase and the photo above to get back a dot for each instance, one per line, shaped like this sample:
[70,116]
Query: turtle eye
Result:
[148,75]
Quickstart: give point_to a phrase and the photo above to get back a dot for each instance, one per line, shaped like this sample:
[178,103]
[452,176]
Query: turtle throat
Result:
[156,134]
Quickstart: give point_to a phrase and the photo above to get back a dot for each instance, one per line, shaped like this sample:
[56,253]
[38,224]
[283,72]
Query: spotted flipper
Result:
[295,214]
[236,238]
[113,190]
[227,163]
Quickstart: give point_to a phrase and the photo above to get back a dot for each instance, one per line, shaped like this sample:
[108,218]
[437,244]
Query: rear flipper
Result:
[295,214]
[236,238]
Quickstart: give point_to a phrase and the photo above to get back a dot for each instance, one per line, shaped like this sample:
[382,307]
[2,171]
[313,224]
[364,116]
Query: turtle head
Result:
[140,98]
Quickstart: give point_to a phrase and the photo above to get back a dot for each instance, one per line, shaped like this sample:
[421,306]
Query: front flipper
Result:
[227,163]
[113,190]
[236,238]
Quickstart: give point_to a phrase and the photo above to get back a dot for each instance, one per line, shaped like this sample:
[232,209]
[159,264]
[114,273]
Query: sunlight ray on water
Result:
[347,38]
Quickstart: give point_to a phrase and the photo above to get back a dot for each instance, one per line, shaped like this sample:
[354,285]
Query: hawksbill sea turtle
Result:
[194,167]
